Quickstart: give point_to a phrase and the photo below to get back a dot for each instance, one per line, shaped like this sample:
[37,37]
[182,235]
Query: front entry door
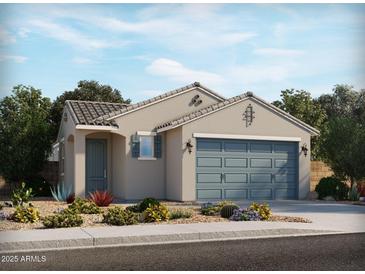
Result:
[96,165]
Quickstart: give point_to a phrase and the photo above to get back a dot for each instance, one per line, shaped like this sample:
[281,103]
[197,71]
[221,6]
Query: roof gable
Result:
[227,103]
[159,98]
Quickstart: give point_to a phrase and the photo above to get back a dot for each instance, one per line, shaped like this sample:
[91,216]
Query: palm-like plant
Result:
[101,198]
[61,192]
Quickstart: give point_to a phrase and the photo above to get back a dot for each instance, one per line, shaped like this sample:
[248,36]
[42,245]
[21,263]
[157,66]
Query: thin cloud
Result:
[68,35]
[177,72]
[276,52]
[14,58]
[6,37]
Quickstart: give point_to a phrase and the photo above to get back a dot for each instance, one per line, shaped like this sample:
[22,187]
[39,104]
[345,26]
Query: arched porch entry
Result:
[102,163]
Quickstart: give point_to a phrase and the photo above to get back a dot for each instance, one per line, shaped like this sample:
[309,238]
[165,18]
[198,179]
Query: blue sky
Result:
[144,50]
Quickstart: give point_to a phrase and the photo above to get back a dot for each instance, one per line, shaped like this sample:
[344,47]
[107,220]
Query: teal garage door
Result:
[243,169]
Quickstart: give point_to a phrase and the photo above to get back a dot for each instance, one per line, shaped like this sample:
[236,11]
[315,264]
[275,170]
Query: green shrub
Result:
[133,208]
[209,209]
[83,206]
[119,216]
[21,195]
[156,213]
[147,202]
[63,219]
[25,214]
[227,210]
[223,203]
[40,186]
[180,213]
[331,186]
[263,210]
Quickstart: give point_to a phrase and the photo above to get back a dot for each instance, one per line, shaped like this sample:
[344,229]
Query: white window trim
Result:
[246,137]
[148,134]
[147,158]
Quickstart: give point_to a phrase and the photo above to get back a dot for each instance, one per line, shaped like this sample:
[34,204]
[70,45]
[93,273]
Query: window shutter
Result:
[135,146]
[158,146]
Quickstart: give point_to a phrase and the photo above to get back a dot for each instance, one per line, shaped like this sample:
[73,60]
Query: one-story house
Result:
[187,144]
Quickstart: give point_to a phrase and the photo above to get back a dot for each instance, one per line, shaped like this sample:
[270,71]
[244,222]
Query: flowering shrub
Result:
[263,210]
[243,214]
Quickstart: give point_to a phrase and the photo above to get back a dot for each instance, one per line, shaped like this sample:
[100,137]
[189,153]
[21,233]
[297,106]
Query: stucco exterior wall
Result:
[229,121]
[141,178]
[174,152]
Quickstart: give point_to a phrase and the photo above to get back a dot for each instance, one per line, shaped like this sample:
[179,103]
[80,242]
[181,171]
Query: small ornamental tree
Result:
[25,140]
[342,146]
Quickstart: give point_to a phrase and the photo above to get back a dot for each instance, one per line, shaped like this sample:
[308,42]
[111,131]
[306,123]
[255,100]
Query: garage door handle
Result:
[222,176]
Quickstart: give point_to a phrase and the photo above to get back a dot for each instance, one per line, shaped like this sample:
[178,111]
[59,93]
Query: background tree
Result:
[25,140]
[85,90]
[342,102]
[342,146]
[301,105]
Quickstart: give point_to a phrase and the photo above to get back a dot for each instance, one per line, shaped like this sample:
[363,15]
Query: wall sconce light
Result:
[189,146]
[304,149]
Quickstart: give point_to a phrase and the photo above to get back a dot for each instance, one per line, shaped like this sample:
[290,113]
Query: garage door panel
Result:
[209,145]
[209,162]
[260,178]
[284,149]
[242,169]
[285,178]
[234,146]
[261,194]
[235,194]
[235,178]
[262,163]
[209,178]
[214,194]
[260,148]
[285,193]
[283,163]
[235,162]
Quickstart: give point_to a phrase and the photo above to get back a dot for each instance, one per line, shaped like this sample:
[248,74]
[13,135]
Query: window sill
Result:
[147,158]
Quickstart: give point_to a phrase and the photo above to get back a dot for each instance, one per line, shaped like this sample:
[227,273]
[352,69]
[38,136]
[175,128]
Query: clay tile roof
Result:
[115,113]
[85,112]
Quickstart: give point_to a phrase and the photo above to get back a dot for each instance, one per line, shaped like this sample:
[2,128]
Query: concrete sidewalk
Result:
[150,234]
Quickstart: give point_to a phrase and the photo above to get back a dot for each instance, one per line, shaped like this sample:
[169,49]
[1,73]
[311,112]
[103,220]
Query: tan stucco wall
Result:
[174,152]
[229,121]
[143,178]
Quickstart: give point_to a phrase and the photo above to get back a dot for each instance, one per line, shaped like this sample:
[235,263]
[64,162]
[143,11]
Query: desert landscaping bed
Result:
[95,220]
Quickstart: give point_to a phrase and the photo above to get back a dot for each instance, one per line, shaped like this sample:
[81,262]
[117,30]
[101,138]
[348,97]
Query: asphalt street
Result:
[326,252]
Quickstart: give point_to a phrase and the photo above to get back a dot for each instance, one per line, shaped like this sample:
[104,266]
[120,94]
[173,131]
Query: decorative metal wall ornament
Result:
[248,115]
[304,149]
[189,146]
[196,101]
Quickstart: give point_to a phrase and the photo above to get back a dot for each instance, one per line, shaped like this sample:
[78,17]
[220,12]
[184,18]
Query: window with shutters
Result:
[146,145]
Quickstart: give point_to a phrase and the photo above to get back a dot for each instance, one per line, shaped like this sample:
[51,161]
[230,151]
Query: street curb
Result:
[90,241]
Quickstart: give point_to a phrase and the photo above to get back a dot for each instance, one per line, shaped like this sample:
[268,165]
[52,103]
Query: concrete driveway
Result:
[324,215]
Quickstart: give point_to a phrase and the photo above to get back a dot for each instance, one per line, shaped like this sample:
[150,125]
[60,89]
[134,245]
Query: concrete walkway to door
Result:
[325,215]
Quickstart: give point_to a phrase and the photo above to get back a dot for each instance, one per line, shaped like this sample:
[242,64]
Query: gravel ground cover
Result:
[48,207]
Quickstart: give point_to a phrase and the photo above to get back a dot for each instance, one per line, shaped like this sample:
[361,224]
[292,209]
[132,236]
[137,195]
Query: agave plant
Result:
[101,198]
[61,192]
